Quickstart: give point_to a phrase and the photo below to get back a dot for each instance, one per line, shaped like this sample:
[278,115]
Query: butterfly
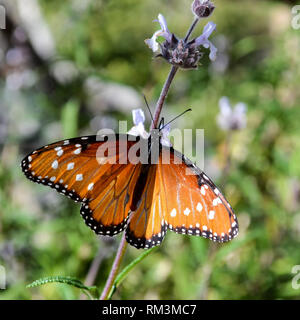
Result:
[144,199]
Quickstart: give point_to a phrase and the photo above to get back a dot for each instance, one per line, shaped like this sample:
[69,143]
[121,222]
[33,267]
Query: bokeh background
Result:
[70,68]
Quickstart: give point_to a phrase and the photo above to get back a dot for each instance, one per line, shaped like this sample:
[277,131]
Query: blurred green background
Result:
[70,68]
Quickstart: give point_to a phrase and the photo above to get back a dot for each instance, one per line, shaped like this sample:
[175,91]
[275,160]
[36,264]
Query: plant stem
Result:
[192,27]
[163,96]
[115,267]
[168,82]
[122,275]
[103,253]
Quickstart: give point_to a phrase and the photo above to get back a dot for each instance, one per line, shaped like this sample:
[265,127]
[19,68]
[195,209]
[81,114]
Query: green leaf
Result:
[90,291]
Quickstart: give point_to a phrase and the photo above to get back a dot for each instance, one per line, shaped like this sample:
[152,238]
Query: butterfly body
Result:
[144,199]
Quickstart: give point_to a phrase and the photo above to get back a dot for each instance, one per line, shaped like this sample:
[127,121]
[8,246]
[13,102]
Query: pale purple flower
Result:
[179,52]
[231,118]
[138,120]
[203,40]
[163,32]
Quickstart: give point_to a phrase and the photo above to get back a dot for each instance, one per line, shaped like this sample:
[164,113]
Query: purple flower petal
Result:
[138,116]
[138,129]
[231,118]
[203,39]
[163,32]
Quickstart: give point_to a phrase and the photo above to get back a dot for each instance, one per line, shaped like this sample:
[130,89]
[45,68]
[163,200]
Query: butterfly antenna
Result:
[148,107]
[181,114]
[161,123]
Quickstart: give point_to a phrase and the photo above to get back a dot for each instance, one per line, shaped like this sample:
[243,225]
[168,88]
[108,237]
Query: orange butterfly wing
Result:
[73,168]
[181,198]
[108,212]
[146,227]
[195,206]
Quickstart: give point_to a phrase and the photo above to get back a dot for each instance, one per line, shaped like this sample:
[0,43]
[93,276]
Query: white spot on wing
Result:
[203,190]
[90,186]
[217,192]
[186,211]
[70,166]
[173,213]
[199,207]
[216,201]
[79,177]
[211,215]
[55,164]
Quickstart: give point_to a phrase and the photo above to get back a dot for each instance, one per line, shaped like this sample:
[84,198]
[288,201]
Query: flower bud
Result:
[202,8]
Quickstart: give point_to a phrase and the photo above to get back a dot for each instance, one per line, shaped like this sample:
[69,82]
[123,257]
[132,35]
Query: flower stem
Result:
[163,96]
[192,27]
[122,275]
[115,267]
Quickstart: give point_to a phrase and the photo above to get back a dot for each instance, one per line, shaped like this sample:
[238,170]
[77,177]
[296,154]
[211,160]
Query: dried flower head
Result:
[202,8]
[179,52]
[231,118]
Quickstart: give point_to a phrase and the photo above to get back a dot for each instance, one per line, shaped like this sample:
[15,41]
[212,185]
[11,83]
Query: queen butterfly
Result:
[145,200]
